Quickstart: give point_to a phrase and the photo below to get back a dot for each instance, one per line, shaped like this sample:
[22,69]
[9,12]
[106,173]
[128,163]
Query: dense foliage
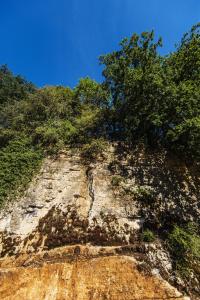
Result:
[184,243]
[157,98]
[18,161]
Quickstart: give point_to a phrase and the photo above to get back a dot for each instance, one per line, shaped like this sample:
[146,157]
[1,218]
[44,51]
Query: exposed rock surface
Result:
[69,203]
[81,273]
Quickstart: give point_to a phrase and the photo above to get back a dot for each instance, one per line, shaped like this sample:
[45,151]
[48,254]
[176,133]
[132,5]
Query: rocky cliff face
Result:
[67,203]
[70,203]
[80,273]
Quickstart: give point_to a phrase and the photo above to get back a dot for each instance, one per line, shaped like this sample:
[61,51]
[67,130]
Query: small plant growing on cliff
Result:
[145,194]
[142,193]
[94,150]
[148,236]
[116,180]
[184,244]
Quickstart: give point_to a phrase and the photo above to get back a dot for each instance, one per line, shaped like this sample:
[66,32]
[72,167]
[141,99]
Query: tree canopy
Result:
[157,98]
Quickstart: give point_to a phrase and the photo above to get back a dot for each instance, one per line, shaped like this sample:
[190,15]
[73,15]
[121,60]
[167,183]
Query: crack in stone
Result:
[90,180]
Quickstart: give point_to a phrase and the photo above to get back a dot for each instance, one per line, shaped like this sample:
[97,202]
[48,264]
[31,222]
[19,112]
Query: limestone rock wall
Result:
[67,203]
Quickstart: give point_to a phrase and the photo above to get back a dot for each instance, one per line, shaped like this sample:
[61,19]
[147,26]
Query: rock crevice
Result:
[90,180]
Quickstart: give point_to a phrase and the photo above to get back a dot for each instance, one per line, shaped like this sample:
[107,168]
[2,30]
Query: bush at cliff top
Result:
[93,150]
[53,132]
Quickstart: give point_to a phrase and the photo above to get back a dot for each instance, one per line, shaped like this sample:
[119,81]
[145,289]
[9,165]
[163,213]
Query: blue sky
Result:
[59,41]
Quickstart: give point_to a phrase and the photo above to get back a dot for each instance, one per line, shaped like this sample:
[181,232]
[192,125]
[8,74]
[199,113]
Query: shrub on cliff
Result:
[184,244]
[116,180]
[148,236]
[52,132]
[93,150]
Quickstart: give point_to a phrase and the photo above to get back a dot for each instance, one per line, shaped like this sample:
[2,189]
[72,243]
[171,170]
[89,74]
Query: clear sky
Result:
[59,41]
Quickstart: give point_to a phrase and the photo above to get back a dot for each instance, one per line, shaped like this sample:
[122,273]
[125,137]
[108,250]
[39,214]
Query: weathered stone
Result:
[80,273]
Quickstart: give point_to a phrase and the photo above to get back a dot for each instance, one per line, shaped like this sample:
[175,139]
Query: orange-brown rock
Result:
[80,273]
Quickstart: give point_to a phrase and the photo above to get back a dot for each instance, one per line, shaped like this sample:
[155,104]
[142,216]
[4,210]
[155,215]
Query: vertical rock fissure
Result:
[90,180]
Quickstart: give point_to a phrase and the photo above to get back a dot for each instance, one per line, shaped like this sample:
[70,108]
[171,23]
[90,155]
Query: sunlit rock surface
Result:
[80,273]
[67,203]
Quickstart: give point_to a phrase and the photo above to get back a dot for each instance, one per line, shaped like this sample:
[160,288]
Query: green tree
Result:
[13,87]
[184,107]
[89,92]
[156,98]
[44,104]
[136,80]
